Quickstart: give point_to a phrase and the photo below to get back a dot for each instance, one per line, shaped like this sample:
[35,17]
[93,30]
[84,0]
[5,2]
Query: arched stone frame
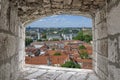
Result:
[24,24]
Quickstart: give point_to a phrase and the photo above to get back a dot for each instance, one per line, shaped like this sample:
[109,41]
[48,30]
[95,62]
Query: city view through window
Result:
[61,41]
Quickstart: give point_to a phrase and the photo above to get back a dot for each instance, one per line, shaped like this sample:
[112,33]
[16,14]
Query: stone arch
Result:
[33,9]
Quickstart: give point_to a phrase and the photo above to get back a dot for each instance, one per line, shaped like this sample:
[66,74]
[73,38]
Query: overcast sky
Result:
[62,21]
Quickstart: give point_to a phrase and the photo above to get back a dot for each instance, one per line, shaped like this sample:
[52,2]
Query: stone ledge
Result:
[43,72]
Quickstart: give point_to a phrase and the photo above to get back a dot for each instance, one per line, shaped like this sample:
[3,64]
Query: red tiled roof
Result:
[43,60]
[84,60]
[36,60]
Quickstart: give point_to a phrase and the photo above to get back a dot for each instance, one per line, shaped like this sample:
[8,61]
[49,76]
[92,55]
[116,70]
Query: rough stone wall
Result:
[106,32]
[35,9]
[11,36]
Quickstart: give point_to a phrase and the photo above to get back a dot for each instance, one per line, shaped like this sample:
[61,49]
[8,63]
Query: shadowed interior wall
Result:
[12,35]
[106,40]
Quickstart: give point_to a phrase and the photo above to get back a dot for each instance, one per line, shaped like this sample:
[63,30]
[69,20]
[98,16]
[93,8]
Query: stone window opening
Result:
[49,60]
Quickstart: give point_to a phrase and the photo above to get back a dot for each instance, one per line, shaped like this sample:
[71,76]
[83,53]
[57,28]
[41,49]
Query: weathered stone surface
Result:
[79,76]
[5,15]
[119,43]
[49,76]
[113,21]
[102,63]
[77,3]
[35,74]
[92,77]
[102,47]
[13,20]
[102,30]
[112,50]
[55,73]
[67,2]
[80,5]
[114,73]
[5,47]
[107,41]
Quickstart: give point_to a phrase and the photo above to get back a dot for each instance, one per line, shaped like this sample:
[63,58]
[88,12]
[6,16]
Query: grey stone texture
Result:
[42,72]
[106,41]
[15,14]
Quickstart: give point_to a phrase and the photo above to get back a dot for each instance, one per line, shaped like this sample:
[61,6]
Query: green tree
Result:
[55,39]
[84,55]
[82,47]
[87,38]
[70,64]
[28,41]
[57,54]
[83,37]
[39,40]
[79,36]
[53,48]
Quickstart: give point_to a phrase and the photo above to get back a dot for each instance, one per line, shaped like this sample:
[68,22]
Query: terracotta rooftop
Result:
[42,60]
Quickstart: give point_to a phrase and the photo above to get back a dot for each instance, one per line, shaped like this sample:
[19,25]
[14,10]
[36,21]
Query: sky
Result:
[62,21]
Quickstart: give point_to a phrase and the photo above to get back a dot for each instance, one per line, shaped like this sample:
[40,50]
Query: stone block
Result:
[101,75]
[113,21]
[119,43]
[113,50]
[47,6]
[111,72]
[2,72]
[57,6]
[97,18]
[114,73]
[117,74]
[93,77]
[102,63]
[97,46]
[100,16]
[46,1]
[7,46]
[79,76]
[96,34]
[102,30]
[77,3]
[67,2]
[13,20]
[94,45]
[14,68]
[21,55]
[5,15]
[102,47]
[66,76]
[5,71]
[57,0]
[31,0]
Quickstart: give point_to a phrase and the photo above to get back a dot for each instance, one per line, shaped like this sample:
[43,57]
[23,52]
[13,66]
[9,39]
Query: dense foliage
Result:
[39,40]
[55,39]
[28,41]
[82,47]
[83,37]
[57,54]
[84,55]
[71,64]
